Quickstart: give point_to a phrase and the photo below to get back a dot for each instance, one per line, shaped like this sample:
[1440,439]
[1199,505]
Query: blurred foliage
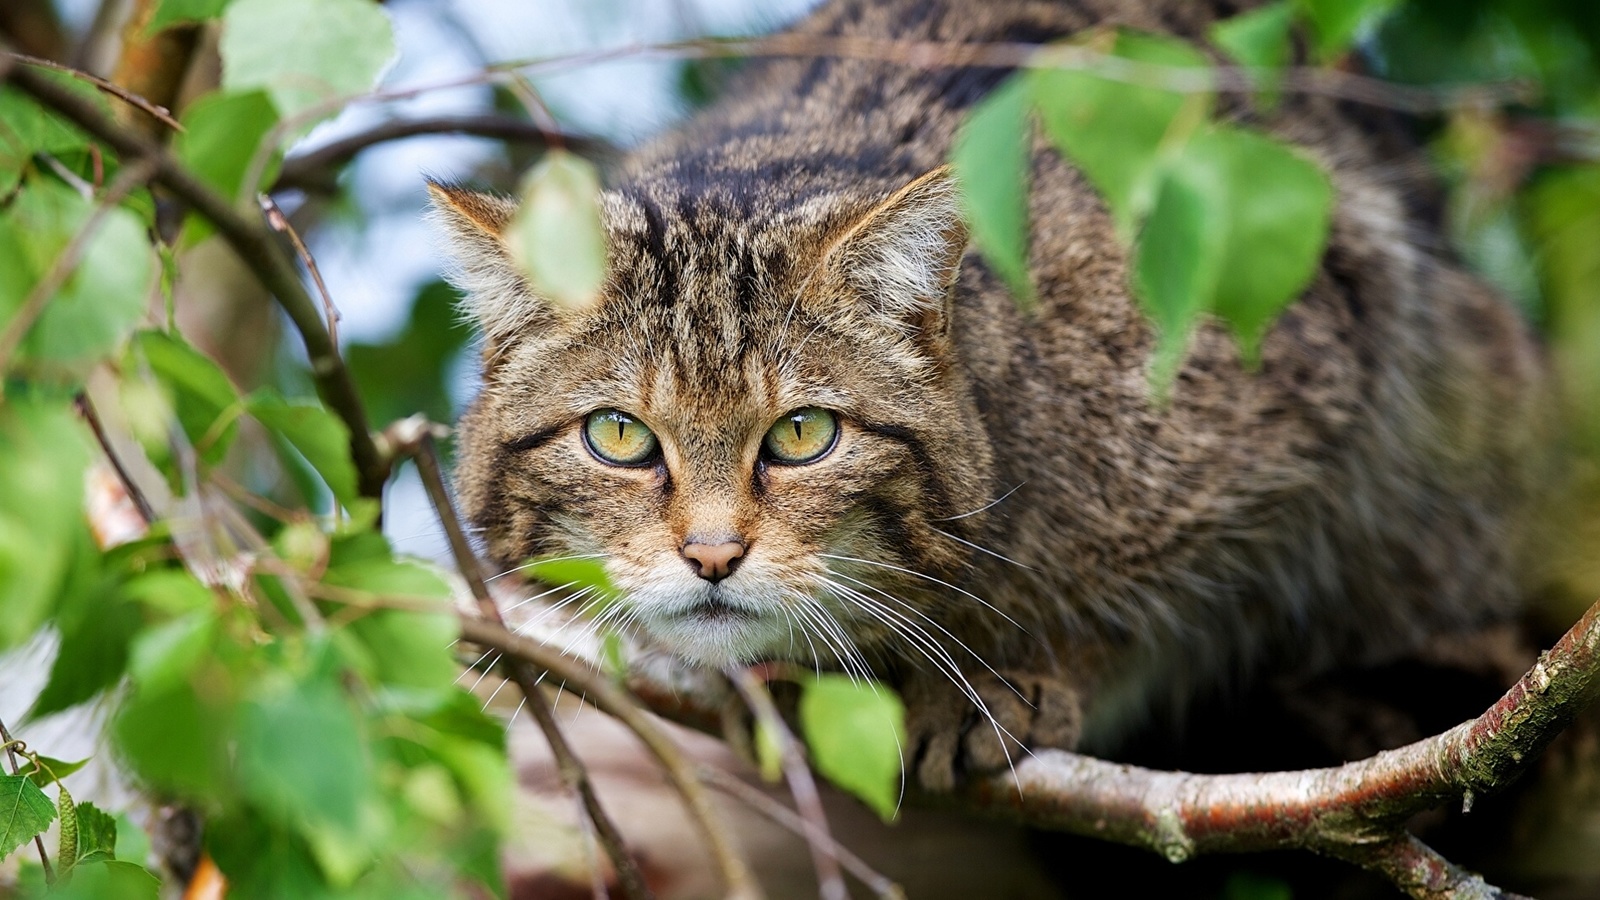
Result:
[271,662]
[410,373]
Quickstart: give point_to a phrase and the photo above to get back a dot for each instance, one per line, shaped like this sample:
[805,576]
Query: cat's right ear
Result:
[498,298]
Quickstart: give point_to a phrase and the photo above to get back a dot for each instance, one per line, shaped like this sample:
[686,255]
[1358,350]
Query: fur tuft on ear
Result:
[903,255]
[498,298]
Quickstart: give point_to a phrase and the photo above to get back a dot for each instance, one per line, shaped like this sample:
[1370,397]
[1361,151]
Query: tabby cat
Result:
[805,420]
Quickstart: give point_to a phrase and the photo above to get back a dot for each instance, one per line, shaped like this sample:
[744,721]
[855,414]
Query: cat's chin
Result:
[718,636]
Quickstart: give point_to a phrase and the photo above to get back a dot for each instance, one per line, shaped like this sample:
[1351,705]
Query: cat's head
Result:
[760,425]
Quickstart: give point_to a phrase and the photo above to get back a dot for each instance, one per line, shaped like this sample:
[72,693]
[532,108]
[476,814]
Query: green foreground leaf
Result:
[304,52]
[855,731]
[556,238]
[991,159]
[24,812]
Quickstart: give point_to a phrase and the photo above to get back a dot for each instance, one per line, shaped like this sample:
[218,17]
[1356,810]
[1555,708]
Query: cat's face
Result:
[758,430]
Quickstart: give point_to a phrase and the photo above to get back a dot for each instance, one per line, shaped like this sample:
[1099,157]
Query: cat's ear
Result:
[498,297]
[901,257]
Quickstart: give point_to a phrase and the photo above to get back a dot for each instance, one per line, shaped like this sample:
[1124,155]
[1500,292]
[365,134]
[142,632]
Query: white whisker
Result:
[988,505]
[982,549]
[915,574]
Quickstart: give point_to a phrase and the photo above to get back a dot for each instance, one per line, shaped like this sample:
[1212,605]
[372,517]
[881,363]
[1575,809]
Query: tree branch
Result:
[153,110]
[314,169]
[256,247]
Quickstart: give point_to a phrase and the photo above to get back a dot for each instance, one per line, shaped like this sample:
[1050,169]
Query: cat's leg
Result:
[987,725]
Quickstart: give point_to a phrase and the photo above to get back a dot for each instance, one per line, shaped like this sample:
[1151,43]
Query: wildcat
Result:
[804,419]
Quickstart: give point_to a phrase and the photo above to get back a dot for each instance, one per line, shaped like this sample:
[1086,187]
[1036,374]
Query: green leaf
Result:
[43,454]
[1238,229]
[1279,204]
[176,739]
[556,238]
[172,12]
[404,578]
[27,128]
[54,769]
[317,434]
[410,649]
[1259,39]
[1337,23]
[855,731]
[301,757]
[24,812]
[992,161]
[222,134]
[132,843]
[109,879]
[92,656]
[304,52]
[1117,132]
[104,297]
[262,860]
[163,657]
[612,659]
[410,373]
[170,591]
[576,574]
[206,404]
[97,833]
[1177,261]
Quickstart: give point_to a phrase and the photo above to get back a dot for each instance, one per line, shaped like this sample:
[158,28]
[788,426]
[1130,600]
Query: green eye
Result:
[618,438]
[802,436]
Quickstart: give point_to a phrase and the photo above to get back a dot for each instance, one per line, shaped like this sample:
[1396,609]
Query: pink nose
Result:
[714,561]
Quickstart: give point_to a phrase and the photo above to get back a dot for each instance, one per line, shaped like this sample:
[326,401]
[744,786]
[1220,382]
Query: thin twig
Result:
[830,882]
[280,223]
[66,262]
[140,501]
[256,247]
[415,437]
[38,840]
[313,168]
[154,110]
[612,699]
[1328,82]
[880,884]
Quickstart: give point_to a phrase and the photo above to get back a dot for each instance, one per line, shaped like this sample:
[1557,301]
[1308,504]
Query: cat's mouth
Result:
[714,610]
[717,628]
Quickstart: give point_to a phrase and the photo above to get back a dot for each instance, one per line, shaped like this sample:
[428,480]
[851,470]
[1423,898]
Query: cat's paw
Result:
[951,738]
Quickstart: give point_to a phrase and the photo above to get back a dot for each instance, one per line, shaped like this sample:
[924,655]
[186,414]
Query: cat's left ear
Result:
[497,296]
[901,258]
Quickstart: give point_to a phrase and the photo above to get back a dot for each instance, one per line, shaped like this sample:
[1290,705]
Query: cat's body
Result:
[788,249]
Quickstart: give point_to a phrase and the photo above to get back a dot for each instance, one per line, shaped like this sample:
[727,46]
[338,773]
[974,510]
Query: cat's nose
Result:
[714,562]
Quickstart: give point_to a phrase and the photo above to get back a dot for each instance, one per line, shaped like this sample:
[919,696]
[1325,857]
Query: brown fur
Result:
[798,245]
